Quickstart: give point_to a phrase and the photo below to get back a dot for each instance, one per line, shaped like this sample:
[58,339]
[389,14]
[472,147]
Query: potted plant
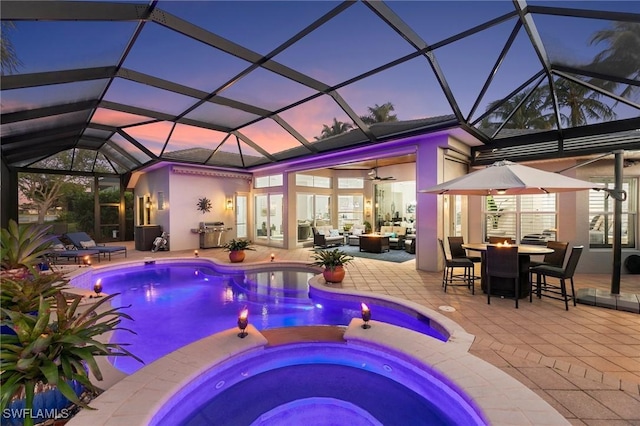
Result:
[51,353]
[236,249]
[21,247]
[333,262]
[367,227]
[47,342]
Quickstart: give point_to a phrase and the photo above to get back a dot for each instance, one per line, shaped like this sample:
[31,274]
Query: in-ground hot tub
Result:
[316,383]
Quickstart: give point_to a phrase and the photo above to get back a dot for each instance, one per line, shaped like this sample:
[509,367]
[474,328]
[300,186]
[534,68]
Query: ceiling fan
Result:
[373,174]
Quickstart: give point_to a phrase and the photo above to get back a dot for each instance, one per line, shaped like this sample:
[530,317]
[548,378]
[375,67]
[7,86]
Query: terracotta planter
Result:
[335,275]
[236,256]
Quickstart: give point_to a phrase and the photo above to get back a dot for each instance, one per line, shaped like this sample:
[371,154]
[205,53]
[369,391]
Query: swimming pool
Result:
[176,304]
[158,389]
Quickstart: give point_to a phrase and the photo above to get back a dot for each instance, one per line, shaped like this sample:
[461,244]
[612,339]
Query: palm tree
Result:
[380,114]
[530,115]
[9,61]
[337,128]
[582,102]
[621,57]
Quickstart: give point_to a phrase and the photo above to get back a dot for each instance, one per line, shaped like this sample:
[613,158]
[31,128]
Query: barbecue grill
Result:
[211,234]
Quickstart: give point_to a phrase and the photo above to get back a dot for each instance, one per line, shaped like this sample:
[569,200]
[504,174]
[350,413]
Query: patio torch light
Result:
[366,316]
[243,322]
[97,287]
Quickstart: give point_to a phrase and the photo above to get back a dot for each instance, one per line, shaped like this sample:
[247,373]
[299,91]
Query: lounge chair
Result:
[82,241]
[58,250]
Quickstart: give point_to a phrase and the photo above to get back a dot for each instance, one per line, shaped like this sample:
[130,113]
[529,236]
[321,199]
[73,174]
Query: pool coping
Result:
[134,399]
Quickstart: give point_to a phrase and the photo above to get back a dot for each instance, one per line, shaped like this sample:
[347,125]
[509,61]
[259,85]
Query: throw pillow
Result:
[334,233]
[58,247]
[393,235]
[357,232]
[87,244]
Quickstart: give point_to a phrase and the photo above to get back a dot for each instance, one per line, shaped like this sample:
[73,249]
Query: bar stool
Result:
[502,262]
[450,278]
[459,252]
[555,291]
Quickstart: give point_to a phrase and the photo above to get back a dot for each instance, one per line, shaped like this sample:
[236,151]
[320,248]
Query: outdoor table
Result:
[500,286]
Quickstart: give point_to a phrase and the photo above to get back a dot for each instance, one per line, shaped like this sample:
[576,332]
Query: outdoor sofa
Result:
[325,236]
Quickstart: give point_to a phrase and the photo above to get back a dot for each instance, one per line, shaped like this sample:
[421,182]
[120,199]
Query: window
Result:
[350,183]
[350,210]
[530,219]
[313,181]
[601,214]
[268,181]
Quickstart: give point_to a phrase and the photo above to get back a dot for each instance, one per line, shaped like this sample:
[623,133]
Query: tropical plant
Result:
[330,259]
[337,128]
[23,294]
[582,103]
[9,61]
[621,57]
[367,226]
[56,349]
[204,205]
[235,245]
[522,111]
[21,246]
[380,114]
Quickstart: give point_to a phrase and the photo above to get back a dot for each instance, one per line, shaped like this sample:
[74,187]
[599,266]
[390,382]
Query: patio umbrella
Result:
[506,177]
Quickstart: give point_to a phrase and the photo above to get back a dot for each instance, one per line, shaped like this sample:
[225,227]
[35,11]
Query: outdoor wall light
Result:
[229,204]
[366,316]
[243,322]
[501,191]
[367,204]
[97,287]
[148,203]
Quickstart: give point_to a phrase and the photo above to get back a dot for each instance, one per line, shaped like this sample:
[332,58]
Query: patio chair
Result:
[551,259]
[503,262]
[82,241]
[58,249]
[450,277]
[459,252]
[558,292]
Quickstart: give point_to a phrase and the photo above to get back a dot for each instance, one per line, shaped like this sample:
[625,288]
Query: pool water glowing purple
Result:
[316,384]
[175,305]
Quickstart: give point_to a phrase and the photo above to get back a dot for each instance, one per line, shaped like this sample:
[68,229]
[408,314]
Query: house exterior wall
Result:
[182,190]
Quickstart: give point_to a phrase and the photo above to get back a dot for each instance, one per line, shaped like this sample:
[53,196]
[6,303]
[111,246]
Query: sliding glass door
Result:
[268,219]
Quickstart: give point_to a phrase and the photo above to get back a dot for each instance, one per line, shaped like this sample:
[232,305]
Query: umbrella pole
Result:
[617,224]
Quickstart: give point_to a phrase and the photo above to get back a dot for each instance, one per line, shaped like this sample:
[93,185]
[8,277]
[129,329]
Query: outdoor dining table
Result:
[500,286]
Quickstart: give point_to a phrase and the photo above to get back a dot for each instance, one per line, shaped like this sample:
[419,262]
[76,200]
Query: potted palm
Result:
[236,249]
[333,262]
